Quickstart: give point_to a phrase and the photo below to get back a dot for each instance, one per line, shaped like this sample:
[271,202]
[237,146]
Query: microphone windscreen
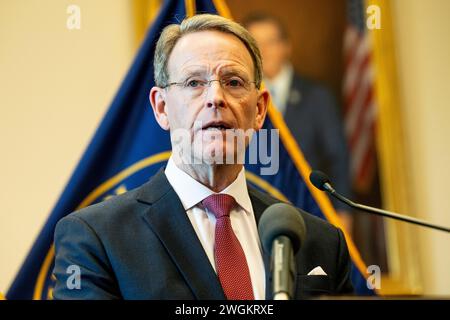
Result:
[318,179]
[281,219]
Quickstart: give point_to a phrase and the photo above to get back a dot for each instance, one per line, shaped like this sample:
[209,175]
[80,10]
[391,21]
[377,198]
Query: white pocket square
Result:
[317,271]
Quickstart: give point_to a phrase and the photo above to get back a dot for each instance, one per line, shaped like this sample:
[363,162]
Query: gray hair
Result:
[202,22]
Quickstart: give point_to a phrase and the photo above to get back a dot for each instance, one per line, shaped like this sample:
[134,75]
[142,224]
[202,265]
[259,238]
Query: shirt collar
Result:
[191,192]
[280,86]
[283,76]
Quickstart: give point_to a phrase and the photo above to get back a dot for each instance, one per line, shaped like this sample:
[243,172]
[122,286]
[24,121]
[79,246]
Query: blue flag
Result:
[129,147]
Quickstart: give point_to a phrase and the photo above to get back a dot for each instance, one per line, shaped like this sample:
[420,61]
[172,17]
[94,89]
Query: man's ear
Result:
[261,108]
[158,101]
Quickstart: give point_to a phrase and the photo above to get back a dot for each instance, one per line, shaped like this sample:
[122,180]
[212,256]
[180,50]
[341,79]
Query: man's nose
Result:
[215,95]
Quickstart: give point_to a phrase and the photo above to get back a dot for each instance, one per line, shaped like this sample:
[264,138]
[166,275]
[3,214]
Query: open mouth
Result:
[222,126]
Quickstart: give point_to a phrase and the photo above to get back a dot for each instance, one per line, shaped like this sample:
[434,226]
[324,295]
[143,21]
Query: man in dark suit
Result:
[191,231]
[309,109]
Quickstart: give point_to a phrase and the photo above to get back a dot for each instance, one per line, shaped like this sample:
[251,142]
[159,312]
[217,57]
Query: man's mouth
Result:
[217,125]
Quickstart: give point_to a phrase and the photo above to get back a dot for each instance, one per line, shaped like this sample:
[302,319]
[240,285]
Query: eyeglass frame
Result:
[207,83]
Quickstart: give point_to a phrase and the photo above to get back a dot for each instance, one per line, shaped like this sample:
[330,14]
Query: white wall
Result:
[55,85]
[423,33]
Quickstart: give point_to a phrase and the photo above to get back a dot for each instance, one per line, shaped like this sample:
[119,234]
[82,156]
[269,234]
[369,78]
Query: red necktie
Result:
[231,264]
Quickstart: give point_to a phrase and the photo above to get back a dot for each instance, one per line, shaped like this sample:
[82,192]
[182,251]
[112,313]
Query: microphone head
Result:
[319,179]
[281,219]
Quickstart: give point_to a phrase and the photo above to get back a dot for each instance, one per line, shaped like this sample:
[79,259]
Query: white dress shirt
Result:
[191,193]
[280,86]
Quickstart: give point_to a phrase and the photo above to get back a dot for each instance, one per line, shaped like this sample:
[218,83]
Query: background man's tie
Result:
[231,264]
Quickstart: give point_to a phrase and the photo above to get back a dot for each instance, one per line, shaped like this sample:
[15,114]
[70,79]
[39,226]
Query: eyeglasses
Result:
[233,86]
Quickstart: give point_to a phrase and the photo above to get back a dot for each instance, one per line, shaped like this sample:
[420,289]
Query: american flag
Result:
[360,110]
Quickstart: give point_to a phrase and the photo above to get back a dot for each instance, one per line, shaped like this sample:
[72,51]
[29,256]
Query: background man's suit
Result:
[313,117]
[141,245]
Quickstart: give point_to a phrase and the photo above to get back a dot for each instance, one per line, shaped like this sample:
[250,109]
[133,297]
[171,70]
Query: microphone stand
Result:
[327,186]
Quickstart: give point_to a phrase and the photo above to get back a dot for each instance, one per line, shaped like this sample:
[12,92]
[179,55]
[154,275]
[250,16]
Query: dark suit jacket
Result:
[141,245]
[313,117]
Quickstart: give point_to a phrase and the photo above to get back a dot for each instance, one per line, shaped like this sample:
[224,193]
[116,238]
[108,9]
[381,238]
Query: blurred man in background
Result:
[309,109]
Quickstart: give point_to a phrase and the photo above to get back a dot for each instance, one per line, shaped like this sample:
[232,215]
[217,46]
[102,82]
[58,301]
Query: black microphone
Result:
[282,232]
[322,182]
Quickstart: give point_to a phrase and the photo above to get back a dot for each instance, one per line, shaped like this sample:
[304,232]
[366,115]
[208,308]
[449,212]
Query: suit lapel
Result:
[294,100]
[258,208]
[168,220]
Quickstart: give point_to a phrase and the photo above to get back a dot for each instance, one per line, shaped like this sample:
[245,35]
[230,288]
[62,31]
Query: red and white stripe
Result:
[360,111]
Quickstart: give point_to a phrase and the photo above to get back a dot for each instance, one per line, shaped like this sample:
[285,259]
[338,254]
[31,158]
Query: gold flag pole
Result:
[393,166]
